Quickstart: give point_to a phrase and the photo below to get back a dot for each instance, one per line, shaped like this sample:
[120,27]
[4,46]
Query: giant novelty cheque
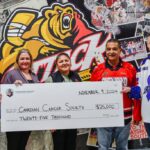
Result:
[61,106]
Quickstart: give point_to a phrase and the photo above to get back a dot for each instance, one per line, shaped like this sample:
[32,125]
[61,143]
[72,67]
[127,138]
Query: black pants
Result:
[65,139]
[17,140]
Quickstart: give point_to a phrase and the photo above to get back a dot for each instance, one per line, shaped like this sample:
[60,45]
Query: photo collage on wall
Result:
[128,20]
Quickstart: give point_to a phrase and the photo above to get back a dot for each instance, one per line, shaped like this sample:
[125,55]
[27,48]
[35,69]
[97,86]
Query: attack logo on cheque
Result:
[46,33]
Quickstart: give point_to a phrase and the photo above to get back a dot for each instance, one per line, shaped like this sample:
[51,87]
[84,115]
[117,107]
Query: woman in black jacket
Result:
[64,139]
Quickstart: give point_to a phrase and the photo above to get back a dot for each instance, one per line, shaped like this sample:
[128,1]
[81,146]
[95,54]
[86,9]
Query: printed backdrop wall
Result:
[80,28]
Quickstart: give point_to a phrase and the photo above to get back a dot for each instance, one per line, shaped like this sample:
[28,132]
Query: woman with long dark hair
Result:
[64,139]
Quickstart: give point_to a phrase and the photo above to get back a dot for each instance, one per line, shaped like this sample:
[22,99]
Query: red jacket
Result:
[127,74]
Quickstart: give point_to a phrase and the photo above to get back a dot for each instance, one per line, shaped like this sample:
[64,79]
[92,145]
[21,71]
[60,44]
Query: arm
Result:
[136,97]
[137,112]
[8,79]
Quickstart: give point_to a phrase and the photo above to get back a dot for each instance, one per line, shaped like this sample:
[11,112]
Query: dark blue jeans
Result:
[147,127]
[107,135]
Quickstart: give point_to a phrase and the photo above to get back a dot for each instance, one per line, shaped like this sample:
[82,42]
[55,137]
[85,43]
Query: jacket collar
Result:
[107,65]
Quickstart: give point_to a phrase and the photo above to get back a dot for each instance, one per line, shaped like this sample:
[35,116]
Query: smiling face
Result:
[63,64]
[24,62]
[113,52]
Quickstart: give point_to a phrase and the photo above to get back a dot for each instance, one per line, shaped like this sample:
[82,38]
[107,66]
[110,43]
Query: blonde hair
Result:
[18,55]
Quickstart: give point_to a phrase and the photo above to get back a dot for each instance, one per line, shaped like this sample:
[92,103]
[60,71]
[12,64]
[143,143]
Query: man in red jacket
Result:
[115,69]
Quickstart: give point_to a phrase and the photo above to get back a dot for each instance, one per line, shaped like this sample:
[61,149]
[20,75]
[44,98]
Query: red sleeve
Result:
[136,102]
[137,110]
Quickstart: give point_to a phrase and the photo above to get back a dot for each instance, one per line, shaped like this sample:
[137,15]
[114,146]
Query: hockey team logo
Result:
[46,33]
